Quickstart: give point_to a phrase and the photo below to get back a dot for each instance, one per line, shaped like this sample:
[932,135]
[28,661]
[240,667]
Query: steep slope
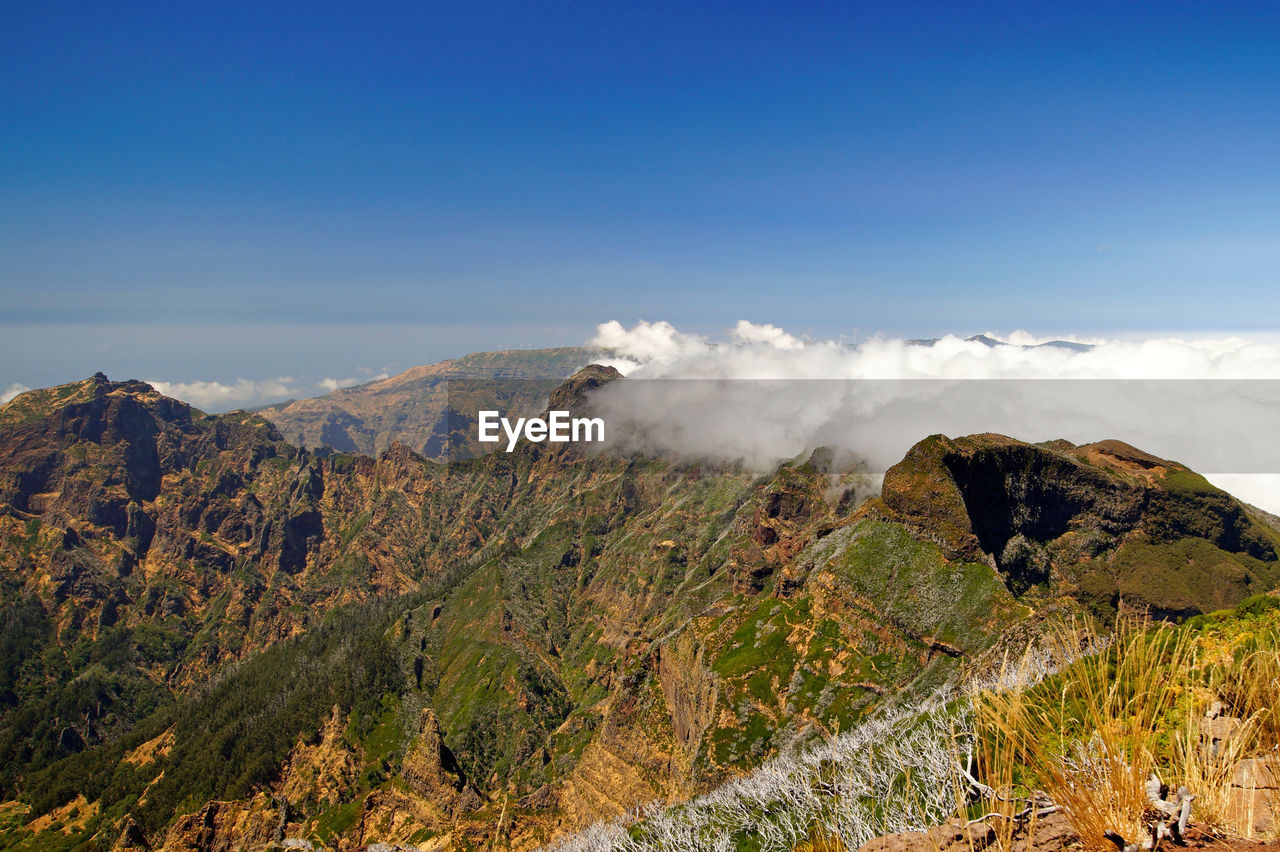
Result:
[213,636]
[413,408]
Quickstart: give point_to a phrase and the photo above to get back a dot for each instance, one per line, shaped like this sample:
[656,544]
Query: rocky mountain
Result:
[989,342]
[211,637]
[1103,522]
[425,408]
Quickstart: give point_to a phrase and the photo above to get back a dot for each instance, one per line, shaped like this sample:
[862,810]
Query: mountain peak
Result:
[1103,521]
[33,405]
[573,392]
[414,407]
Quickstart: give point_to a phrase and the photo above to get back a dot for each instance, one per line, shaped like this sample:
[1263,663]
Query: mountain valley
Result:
[213,638]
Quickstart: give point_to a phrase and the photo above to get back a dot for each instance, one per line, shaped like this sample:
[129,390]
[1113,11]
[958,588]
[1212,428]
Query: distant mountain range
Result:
[413,409]
[991,341]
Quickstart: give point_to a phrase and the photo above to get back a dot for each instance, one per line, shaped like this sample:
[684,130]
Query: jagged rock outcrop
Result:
[224,827]
[429,768]
[572,394]
[321,773]
[131,838]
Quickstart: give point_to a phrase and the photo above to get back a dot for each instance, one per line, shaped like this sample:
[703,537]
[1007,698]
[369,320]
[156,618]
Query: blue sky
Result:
[267,189]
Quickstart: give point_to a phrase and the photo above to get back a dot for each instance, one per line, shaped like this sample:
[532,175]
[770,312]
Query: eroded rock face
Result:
[572,394]
[783,514]
[976,495]
[131,506]
[690,690]
[225,827]
[320,773]
[131,838]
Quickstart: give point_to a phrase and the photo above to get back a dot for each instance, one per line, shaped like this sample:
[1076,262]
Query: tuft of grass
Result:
[999,754]
[1208,769]
[1248,682]
[820,841]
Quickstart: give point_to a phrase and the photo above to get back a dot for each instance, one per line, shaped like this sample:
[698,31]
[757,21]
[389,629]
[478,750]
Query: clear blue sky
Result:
[206,191]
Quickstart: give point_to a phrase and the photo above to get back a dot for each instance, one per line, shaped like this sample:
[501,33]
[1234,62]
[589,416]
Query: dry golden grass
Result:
[1208,768]
[1000,752]
[1246,683]
[1089,737]
[1249,683]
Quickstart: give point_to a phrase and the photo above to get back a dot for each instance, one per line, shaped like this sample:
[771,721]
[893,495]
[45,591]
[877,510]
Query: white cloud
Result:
[330,385]
[658,349]
[749,332]
[222,396]
[653,343]
[247,393]
[12,391]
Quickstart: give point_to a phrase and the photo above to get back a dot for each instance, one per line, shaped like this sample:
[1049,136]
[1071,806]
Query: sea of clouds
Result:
[224,396]
[760,394]
[751,351]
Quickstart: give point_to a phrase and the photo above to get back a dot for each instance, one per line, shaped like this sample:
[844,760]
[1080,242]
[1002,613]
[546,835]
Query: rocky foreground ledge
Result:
[1051,834]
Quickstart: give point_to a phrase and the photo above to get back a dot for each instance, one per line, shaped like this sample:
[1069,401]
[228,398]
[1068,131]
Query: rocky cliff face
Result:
[131,507]
[349,650]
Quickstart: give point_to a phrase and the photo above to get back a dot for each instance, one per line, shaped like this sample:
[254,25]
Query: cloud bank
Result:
[658,350]
[331,385]
[761,394]
[224,396]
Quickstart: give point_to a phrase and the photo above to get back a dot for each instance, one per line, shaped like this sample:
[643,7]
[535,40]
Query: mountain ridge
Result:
[580,635]
[413,407]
